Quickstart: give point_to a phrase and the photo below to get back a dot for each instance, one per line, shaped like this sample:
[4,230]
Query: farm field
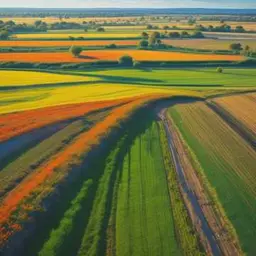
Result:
[114,55]
[127,132]
[242,109]
[198,77]
[95,35]
[209,44]
[52,43]
[217,147]
[28,78]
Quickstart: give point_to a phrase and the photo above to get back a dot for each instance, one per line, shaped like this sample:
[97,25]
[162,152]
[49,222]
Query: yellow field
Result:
[85,35]
[21,78]
[31,99]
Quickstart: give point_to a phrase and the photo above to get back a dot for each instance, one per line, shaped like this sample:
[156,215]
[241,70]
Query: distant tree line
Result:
[221,28]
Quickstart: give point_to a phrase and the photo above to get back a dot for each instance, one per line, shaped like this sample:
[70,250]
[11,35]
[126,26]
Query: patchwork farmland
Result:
[125,133]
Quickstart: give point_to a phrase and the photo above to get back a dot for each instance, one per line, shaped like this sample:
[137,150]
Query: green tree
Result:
[100,29]
[4,35]
[236,47]
[126,60]
[75,50]
[219,70]
[143,44]
[144,34]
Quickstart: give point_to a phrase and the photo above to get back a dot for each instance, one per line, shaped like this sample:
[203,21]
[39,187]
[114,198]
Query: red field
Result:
[113,55]
[17,123]
[54,43]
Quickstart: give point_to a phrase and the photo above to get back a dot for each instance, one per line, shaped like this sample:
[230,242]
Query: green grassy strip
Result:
[186,235]
[93,234]
[59,235]
[111,232]
[144,224]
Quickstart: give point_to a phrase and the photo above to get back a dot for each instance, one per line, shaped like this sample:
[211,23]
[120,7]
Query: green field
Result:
[236,77]
[144,222]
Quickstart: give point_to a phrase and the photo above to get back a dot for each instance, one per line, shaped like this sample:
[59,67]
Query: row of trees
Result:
[174,34]
[222,28]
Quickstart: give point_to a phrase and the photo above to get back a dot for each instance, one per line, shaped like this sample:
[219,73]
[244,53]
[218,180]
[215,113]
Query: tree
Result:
[4,35]
[38,23]
[100,29]
[174,35]
[144,34]
[247,48]
[153,38]
[239,29]
[198,34]
[143,44]
[126,60]
[236,47]
[184,34]
[219,70]
[75,50]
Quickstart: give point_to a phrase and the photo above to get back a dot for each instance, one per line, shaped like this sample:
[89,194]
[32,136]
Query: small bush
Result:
[126,60]
[219,70]
[75,50]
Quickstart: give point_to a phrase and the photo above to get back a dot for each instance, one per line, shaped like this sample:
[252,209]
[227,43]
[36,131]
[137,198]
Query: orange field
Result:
[66,43]
[71,154]
[17,123]
[113,55]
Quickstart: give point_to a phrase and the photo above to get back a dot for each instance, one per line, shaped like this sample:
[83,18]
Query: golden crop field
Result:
[22,78]
[53,43]
[242,107]
[66,36]
[114,55]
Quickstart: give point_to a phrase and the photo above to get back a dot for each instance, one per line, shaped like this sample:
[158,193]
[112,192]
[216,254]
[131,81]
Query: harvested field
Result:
[242,108]
[228,163]
[209,44]
[114,55]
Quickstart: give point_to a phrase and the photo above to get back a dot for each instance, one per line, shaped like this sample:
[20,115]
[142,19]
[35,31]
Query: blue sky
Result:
[130,3]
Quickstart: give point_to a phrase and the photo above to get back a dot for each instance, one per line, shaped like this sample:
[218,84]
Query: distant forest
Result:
[111,12]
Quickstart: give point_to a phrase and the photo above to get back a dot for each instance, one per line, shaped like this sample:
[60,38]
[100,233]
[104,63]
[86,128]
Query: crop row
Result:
[144,223]
[59,235]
